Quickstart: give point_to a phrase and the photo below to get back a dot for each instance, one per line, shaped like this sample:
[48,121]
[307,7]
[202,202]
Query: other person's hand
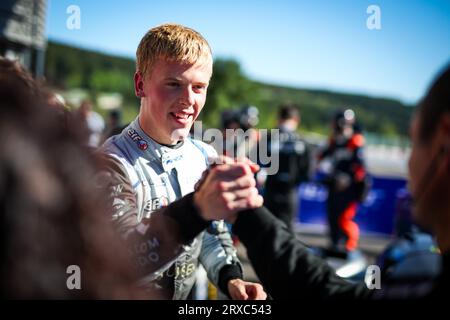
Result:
[226,188]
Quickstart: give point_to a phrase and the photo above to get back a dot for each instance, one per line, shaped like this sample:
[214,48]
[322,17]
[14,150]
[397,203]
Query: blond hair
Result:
[171,42]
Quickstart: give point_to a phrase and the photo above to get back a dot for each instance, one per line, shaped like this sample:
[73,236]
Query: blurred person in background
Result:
[229,123]
[93,123]
[114,125]
[346,181]
[243,136]
[281,189]
[247,139]
[52,215]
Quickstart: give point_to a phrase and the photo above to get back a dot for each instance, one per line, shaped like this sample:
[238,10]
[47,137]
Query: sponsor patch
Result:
[141,143]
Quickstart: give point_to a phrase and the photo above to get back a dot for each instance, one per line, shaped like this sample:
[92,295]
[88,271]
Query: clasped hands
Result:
[226,188]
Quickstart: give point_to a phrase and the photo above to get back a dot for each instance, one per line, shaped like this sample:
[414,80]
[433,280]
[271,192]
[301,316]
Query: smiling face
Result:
[172,96]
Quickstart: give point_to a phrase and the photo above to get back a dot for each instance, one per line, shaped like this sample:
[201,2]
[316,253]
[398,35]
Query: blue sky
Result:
[321,44]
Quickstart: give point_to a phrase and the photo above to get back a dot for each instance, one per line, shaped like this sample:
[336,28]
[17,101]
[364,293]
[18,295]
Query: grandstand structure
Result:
[22,33]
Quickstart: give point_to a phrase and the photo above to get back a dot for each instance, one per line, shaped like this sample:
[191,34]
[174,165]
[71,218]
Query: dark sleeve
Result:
[227,273]
[157,239]
[285,265]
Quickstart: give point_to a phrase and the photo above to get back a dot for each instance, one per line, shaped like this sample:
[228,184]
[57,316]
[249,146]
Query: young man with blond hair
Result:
[153,166]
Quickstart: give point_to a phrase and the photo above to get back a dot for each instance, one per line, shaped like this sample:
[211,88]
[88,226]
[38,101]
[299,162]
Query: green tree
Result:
[111,81]
[229,88]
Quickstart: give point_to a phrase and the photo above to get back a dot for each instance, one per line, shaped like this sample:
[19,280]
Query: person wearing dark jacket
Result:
[281,189]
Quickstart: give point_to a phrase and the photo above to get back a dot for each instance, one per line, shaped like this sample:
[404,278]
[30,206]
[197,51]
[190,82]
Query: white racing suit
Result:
[151,189]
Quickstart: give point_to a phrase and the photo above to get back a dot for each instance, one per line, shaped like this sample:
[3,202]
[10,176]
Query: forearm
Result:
[284,264]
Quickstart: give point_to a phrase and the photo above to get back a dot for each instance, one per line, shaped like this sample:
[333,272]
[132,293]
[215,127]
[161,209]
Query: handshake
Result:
[226,188]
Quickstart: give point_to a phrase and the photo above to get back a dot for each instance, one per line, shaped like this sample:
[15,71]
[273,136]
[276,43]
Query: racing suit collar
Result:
[150,149]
